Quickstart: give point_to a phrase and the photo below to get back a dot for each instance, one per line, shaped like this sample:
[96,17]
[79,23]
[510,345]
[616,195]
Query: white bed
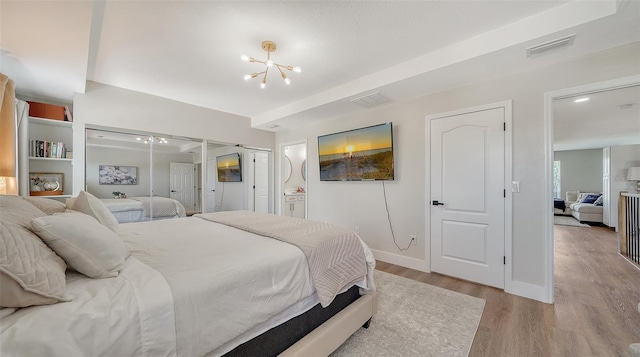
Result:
[137,209]
[191,287]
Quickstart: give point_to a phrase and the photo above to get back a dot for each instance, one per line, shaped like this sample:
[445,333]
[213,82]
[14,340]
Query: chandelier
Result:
[268,46]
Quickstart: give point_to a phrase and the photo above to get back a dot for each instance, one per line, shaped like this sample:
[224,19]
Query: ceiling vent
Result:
[370,100]
[553,45]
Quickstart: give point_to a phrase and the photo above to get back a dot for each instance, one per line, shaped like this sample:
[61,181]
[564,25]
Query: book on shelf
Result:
[50,149]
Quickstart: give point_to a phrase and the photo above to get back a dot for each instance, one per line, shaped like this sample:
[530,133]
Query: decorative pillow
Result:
[46,205]
[590,198]
[86,245]
[30,272]
[91,205]
[599,201]
[14,209]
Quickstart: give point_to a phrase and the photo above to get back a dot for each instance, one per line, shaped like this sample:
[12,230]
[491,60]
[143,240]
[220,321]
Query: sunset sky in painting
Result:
[228,161]
[378,137]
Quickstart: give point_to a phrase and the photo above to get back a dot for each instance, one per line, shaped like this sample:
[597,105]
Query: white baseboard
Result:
[401,260]
[531,291]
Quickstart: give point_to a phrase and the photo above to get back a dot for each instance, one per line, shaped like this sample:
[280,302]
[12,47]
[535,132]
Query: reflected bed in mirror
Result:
[140,209]
[139,165]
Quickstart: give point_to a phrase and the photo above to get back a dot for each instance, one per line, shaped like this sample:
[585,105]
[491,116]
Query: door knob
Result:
[173,190]
[436,203]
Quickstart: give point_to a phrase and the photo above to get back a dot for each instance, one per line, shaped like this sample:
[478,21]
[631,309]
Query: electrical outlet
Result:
[414,241]
[357,230]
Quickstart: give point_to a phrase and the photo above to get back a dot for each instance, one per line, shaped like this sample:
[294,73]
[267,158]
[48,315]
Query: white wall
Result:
[623,157]
[97,156]
[296,154]
[361,203]
[112,107]
[580,170]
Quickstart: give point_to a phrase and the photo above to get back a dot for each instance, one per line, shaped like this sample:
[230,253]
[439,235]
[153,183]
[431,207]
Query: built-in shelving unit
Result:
[52,131]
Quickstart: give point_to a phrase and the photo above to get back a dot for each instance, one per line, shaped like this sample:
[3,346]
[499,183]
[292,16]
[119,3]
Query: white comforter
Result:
[224,281]
[129,315]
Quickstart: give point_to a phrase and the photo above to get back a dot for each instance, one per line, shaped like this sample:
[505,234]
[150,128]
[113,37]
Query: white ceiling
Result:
[190,51]
[598,122]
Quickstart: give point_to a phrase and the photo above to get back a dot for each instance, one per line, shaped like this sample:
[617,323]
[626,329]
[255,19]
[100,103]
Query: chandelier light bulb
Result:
[287,81]
[297,69]
[244,58]
[247,77]
[263,85]
[269,63]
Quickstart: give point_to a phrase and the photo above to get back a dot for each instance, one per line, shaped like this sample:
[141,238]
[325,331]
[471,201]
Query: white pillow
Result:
[91,205]
[30,272]
[86,245]
[46,205]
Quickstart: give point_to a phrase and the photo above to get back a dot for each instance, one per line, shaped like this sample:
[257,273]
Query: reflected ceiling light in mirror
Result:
[156,139]
[268,46]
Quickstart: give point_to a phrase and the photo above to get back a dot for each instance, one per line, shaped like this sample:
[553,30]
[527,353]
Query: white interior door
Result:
[183,184]
[212,173]
[260,162]
[467,194]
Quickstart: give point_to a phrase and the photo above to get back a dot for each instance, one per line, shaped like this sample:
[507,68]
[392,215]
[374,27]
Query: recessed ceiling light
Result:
[580,100]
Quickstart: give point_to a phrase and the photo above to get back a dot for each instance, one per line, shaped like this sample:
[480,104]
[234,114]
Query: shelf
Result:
[49,158]
[53,196]
[50,122]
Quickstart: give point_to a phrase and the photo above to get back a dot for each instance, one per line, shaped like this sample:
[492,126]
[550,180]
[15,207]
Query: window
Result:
[556,179]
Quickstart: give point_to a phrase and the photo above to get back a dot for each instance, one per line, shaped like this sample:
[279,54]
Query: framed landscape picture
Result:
[117,175]
[229,169]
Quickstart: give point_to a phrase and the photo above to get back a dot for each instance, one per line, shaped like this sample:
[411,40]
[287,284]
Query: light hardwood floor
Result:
[595,311]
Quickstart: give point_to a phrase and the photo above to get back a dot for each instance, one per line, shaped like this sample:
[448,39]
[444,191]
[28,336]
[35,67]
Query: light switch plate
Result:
[515,186]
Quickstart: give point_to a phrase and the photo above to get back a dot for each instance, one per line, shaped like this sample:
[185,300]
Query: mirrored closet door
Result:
[143,176]
[239,178]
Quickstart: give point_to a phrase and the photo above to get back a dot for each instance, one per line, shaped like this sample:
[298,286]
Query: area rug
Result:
[416,319]
[568,221]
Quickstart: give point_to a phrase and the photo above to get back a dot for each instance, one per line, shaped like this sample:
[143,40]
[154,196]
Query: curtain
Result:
[7,127]
[22,117]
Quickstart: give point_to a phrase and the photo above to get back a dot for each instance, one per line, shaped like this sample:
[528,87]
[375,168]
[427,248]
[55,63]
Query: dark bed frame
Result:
[281,337]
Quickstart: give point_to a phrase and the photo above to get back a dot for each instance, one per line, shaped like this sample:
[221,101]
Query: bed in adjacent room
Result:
[227,283]
[138,209]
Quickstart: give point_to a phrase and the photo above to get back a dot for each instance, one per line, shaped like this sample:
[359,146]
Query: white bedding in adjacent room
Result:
[129,315]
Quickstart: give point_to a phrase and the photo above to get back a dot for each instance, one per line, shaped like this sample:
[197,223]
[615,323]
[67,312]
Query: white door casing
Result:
[260,184]
[467,180]
[183,184]
[282,208]
[212,172]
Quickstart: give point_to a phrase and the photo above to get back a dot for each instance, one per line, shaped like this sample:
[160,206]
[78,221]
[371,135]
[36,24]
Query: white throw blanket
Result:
[335,255]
